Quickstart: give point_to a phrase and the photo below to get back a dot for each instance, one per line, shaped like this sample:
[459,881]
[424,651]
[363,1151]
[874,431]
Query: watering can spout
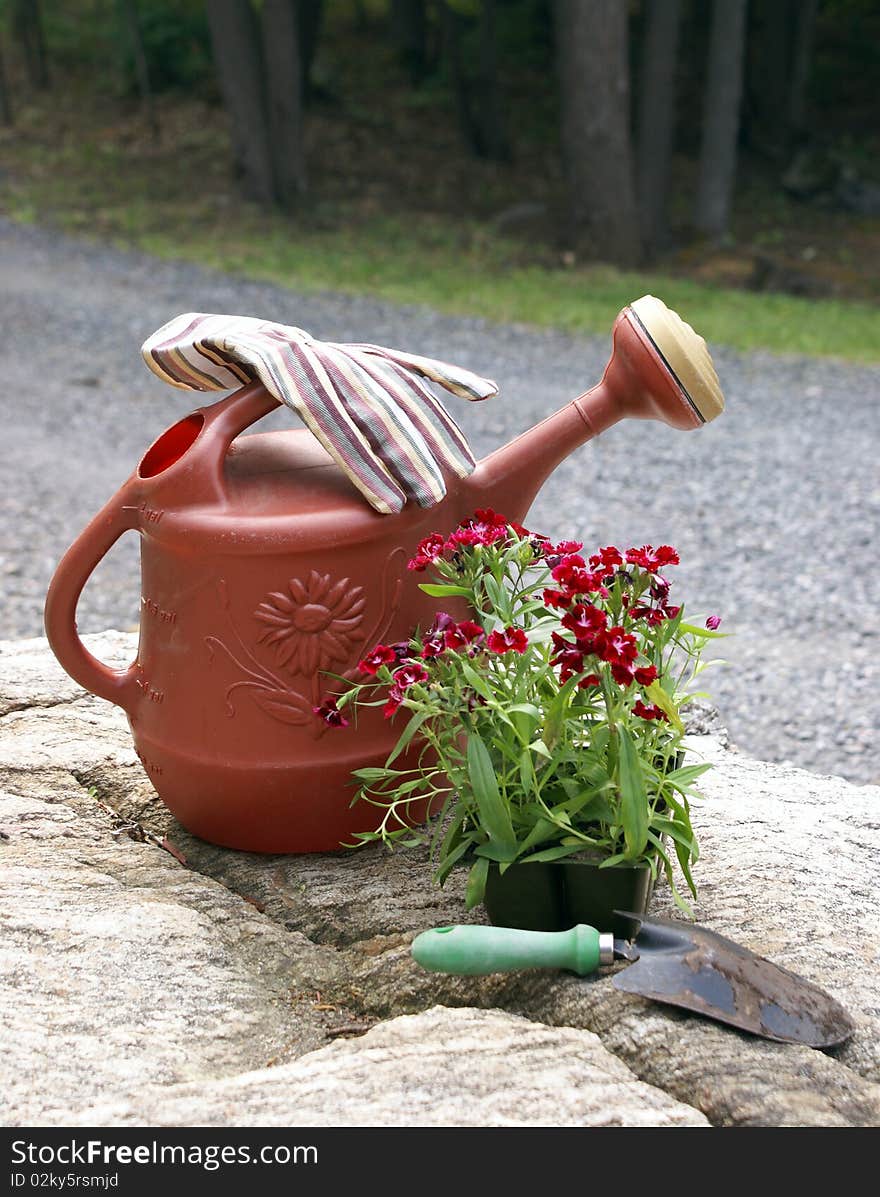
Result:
[659,369]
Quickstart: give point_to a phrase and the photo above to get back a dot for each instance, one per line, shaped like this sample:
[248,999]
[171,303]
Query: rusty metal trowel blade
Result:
[685,965]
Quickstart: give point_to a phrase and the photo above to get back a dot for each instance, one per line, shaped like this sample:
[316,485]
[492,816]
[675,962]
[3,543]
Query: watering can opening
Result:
[171,445]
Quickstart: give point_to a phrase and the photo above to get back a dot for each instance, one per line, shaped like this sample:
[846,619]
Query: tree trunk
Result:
[142,73]
[281,55]
[6,112]
[27,22]
[490,107]
[451,34]
[801,59]
[657,119]
[310,14]
[770,43]
[721,106]
[591,56]
[236,51]
[477,96]
[409,31]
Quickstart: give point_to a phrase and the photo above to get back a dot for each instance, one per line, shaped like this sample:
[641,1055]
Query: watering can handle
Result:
[189,455]
[118,516]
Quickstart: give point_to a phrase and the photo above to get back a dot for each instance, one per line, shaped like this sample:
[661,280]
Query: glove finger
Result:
[293,373]
[441,434]
[459,381]
[387,425]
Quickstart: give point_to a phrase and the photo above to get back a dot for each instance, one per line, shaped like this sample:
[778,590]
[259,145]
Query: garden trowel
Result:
[669,961]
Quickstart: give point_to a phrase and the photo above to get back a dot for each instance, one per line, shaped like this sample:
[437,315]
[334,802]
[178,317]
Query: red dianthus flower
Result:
[648,712]
[408,675]
[508,640]
[652,559]
[329,713]
[609,557]
[462,635]
[584,620]
[376,658]
[427,552]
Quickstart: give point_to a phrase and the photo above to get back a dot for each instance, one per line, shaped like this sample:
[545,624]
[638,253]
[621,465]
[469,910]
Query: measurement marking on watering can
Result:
[151,514]
[150,766]
[163,614]
[149,691]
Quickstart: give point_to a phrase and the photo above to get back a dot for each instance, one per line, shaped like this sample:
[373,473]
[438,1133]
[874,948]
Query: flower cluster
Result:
[552,711]
[403,661]
[484,527]
[604,612]
[640,594]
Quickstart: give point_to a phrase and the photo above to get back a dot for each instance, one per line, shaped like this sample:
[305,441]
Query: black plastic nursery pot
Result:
[555,895]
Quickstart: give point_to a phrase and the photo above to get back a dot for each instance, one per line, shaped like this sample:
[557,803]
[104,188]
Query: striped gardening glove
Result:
[370,407]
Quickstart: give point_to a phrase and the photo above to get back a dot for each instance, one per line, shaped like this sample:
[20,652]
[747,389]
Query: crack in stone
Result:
[15,706]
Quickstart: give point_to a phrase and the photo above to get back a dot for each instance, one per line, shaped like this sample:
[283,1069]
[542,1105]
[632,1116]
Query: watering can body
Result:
[263,571]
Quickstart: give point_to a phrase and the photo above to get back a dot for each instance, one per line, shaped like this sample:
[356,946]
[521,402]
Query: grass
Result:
[456,270]
[92,177]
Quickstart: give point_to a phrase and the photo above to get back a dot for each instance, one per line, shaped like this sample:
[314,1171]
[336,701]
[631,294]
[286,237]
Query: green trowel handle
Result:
[478,950]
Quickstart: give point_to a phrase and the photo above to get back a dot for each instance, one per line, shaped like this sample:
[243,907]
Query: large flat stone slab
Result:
[790,868]
[440,1068]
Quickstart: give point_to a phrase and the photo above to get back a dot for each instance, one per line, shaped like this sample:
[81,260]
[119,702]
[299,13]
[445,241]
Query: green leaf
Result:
[682,778]
[691,630]
[493,812]
[684,863]
[526,772]
[446,833]
[492,851]
[449,862]
[610,861]
[555,719]
[525,718]
[541,632]
[372,774]
[658,695]
[466,8]
[476,883]
[677,832]
[599,742]
[498,596]
[679,900]
[479,683]
[554,853]
[526,708]
[542,830]
[634,799]
[438,590]
[592,803]
[406,736]
[541,748]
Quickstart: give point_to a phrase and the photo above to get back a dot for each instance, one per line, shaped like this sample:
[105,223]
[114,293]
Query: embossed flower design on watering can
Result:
[315,626]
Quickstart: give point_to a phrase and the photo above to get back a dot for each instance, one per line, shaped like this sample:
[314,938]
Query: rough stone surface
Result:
[441,1068]
[120,969]
[123,969]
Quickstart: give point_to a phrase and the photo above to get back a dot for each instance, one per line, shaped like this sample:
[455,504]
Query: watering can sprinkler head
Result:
[682,351]
[659,369]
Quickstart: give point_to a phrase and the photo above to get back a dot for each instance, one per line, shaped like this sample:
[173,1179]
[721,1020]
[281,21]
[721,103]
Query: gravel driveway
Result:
[774,507]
